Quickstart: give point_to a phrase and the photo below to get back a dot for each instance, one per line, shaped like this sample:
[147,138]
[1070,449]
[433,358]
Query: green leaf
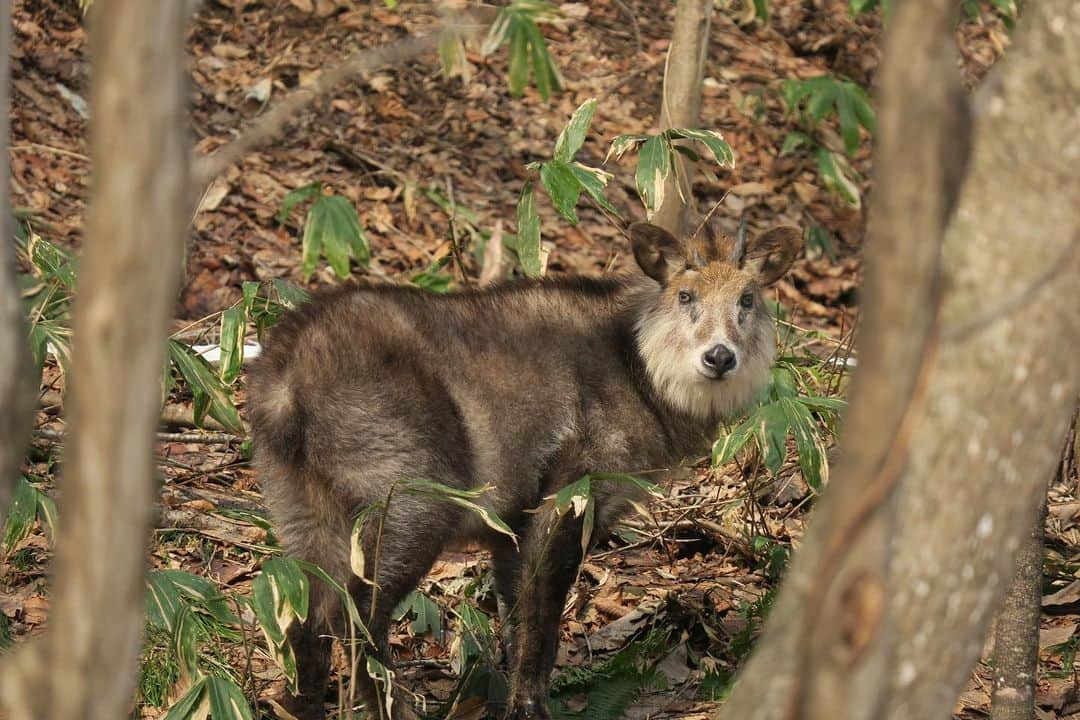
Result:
[227,701]
[563,187]
[627,479]
[433,279]
[210,394]
[170,590]
[427,617]
[808,443]
[518,58]
[47,513]
[528,234]
[297,196]
[51,261]
[863,110]
[572,136]
[593,181]
[832,168]
[544,71]
[477,638]
[290,295]
[279,596]
[727,446]
[822,97]
[232,344]
[793,141]
[654,167]
[793,92]
[186,707]
[461,498]
[819,242]
[333,227]
[186,642]
[761,10]
[823,404]
[771,431]
[574,496]
[22,513]
[849,124]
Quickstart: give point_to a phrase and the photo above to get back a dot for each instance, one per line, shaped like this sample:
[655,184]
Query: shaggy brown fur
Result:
[521,389]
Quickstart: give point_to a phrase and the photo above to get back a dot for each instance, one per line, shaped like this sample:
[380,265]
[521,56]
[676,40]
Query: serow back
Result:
[364,397]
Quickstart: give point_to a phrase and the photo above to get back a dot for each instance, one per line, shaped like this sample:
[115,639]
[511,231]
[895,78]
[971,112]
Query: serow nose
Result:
[719,359]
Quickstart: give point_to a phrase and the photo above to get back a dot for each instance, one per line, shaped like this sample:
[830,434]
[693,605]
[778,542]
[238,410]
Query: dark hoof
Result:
[528,710]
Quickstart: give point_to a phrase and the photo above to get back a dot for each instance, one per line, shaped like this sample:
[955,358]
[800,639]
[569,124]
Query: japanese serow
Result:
[520,389]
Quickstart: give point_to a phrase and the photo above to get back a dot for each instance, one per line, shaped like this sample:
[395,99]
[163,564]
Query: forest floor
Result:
[398,144]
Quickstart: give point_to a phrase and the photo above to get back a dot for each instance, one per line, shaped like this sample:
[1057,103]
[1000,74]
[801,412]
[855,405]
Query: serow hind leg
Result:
[311,642]
[551,555]
[396,555]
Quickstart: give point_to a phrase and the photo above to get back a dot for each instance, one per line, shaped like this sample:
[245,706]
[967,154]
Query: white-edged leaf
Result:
[210,394]
[834,171]
[572,136]
[192,705]
[185,641]
[22,513]
[654,167]
[726,447]
[232,344]
[622,143]
[461,498]
[711,139]
[384,682]
[227,701]
[593,181]
[497,33]
[527,246]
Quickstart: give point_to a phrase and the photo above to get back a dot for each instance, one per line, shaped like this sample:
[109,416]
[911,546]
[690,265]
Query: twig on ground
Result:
[273,122]
[174,415]
[455,245]
[186,437]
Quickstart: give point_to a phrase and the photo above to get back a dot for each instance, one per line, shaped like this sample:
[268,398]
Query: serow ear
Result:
[655,250]
[769,255]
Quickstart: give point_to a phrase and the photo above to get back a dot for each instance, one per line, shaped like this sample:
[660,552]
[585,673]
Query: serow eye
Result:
[747,300]
[685,297]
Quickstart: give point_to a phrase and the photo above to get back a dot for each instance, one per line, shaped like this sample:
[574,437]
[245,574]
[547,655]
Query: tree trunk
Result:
[960,405]
[681,106]
[1016,636]
[16,391]
[84,664]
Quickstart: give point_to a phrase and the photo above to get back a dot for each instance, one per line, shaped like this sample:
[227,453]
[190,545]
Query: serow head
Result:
[707,339]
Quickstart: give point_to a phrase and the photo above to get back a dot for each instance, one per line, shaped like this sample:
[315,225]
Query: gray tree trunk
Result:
[1016,634]
[968,376]
[681,105]
[84,665]
[16,390]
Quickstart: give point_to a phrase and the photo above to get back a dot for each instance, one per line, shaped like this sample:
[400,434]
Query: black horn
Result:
[738,252]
